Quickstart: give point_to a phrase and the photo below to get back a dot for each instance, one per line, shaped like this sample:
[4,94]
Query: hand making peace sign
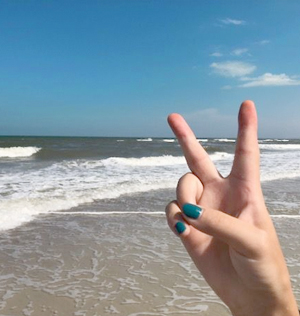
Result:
[226,228]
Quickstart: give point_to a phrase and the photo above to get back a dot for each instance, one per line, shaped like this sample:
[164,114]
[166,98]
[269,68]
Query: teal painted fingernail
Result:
[180,227]
[191,210]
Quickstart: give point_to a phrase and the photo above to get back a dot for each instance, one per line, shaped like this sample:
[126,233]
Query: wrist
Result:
[286,306]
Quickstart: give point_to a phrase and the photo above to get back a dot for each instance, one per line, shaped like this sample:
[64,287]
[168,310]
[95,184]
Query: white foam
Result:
[151,213]
[280,164]
[266,140]
[221,156]
[286,216]
[225,140]
[145,139]
[15,152]
[202,140]
[66,184]
[145,161]
[169,140]
[273,140]
[280,146]
[108,213]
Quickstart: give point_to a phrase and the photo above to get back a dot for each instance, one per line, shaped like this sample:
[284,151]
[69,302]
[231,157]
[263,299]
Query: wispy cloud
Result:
[227,87]
[239,51]
[216,54]
[233,68]
[229,21]
[269,79]
[264,42]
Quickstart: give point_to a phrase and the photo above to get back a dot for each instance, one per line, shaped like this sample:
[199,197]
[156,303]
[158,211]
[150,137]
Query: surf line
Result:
[285,216]
[141,212]
[106,213]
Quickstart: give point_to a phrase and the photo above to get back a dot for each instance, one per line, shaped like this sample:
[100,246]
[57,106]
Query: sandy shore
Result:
[129,265]
[86,265]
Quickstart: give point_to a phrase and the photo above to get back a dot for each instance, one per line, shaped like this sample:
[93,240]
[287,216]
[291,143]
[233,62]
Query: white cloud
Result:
[233,68]
[226,87]
[269,79]
[239,51]
[216,54]
[229,21]
[264,42]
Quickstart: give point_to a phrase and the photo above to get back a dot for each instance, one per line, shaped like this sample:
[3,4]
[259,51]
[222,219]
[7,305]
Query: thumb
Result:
[240,235]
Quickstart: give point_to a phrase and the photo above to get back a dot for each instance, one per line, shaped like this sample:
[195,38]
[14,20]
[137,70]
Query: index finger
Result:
[196,157]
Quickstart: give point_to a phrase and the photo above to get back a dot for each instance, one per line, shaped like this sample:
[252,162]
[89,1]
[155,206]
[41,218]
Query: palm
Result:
[220,264]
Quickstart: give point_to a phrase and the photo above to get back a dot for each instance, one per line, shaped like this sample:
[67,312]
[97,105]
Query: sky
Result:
[119,67]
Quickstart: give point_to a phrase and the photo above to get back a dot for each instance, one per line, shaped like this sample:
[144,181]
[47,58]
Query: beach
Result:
[83,230]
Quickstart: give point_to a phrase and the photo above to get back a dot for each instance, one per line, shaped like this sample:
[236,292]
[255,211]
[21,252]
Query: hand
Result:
[230,236]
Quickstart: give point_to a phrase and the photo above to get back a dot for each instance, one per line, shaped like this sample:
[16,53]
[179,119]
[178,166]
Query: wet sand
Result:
[126,265]
[86,265]
[131,264]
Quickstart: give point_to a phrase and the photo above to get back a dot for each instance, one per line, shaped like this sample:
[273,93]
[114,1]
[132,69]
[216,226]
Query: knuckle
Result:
[186,176]
[170,206]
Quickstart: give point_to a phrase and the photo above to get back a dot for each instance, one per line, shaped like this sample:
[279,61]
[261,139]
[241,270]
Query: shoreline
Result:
[93,260]
[73,265]
[129,264]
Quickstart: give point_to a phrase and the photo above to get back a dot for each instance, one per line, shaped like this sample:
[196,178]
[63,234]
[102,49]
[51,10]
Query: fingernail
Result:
[191,210]
[180,227]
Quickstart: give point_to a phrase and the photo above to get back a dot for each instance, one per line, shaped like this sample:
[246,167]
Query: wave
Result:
[221,156]
[144,139]
[150,213]
[280,146]
[145,161]
[166,160]
[273,140]
[110,213]
[25,206]
[70,183]
[225,140]
[202,140]
[172,140]
[18,152]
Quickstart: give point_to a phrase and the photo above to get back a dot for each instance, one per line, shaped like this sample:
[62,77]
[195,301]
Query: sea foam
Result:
[15,152]
[64,184]
[280,146]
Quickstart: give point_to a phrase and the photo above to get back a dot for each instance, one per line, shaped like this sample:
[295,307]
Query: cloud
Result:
[233,68]
[229,21]
[269,79]
[239,51]
[216,54]
[227,87]
[264,42]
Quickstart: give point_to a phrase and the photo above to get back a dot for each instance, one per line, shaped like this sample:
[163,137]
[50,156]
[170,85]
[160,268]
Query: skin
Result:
[233,243]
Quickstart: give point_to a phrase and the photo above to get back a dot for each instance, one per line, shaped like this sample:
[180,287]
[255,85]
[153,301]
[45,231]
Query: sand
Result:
[127,265]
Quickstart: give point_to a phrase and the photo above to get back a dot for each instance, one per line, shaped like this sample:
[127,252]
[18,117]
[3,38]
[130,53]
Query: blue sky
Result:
[119,67]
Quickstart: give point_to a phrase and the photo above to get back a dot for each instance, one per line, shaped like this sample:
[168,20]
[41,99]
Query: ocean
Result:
[83,232]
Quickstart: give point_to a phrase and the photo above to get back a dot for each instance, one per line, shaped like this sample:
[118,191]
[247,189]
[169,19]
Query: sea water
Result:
[83,230]
[39,175]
